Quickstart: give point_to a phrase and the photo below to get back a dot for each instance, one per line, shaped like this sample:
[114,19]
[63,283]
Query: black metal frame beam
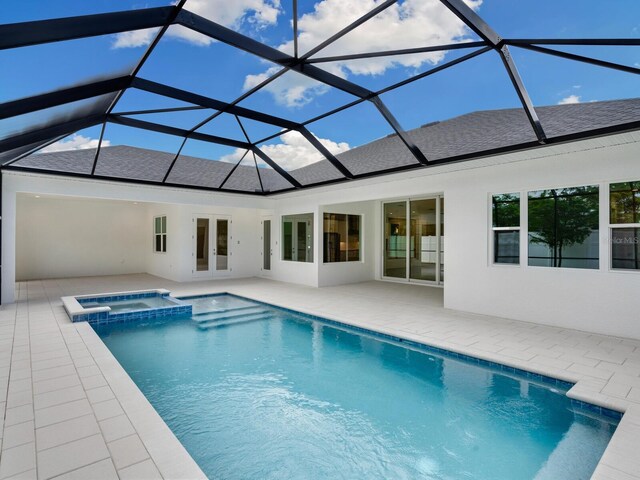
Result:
[388,116]
[255,161]
[393,53]
[175,159]
[327,154]
[574,41]
[37,148]
[176,9]
[178,132]
[95,157]
[276,167]
[228,176]
[194,98]
[50,132]
[161,110]
[249,45]
[439,68]
[59,29]
[581,58]
[520,89]
[60,97]
[489,35]
[473,21]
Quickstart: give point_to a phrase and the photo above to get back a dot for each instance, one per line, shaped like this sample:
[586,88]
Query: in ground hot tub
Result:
[124,306]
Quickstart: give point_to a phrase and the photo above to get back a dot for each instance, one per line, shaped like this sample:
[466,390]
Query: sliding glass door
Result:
[395,240]
[413,240]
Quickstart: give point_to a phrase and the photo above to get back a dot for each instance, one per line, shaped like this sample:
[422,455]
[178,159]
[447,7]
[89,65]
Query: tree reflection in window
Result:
[563,227]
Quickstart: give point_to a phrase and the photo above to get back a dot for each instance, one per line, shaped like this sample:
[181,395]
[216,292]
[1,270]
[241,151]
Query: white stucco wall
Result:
[63,237]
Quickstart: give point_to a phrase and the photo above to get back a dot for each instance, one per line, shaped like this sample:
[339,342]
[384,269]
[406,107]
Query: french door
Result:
[211,241]
[413,247]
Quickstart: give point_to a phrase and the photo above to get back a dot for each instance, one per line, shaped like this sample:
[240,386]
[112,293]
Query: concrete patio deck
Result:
[70,411]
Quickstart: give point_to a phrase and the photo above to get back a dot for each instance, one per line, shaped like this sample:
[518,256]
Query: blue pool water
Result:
[259,393]
[129,305]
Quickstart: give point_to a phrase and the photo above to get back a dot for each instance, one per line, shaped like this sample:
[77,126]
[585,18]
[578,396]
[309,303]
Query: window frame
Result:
[493,230]
[611,226]
[346,222]
[598,193]
[162,234]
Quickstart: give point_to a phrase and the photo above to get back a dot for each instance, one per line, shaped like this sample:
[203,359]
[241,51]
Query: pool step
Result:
[228,314]
[224,310]
[266,315]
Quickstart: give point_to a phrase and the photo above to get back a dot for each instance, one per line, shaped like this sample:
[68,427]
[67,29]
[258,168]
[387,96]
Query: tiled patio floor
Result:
[70,411]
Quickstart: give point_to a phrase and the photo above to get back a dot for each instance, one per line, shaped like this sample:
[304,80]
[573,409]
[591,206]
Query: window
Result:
[624,219]
[297,237]
[341,238]
[160,234]
[505,213]
[563,227]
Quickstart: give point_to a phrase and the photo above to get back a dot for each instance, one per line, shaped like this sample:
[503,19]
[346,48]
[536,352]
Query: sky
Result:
[191,61]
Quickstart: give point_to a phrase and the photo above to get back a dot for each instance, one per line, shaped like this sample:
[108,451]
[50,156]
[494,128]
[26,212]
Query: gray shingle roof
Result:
[463,135]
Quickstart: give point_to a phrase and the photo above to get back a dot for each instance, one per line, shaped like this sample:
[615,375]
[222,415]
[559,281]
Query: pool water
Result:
[285,397]
[215,303]
[121,306]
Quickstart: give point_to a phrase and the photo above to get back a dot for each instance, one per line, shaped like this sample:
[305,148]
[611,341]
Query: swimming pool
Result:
[272,394]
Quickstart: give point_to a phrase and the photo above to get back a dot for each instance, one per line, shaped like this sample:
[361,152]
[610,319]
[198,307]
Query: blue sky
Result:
[189,61]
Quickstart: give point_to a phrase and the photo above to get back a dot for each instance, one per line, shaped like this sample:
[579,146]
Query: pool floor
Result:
[288,397]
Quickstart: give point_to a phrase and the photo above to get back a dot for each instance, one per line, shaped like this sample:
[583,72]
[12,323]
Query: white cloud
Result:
[258,14]
[75,142]
[290,90]
[294,151]
[136,38]
[405,24]
[570,99]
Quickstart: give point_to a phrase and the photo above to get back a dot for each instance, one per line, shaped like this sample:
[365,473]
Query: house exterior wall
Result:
[601,301]
[61,237]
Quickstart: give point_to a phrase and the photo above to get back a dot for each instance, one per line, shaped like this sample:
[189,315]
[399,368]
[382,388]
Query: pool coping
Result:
[172,459]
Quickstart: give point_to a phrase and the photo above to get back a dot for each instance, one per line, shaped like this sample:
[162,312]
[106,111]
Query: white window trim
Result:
[611,227]
[162,234]
[492,229]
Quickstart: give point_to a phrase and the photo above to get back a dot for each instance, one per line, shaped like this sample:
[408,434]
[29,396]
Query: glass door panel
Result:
[301,248]
[222,244]
[266,245]
[287,240]
[423,249]
[202,245]
[395,240]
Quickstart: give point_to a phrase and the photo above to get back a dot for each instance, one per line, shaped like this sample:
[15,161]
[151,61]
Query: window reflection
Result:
[563,227]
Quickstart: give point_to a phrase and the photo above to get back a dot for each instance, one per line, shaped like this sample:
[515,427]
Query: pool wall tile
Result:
[179,308]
